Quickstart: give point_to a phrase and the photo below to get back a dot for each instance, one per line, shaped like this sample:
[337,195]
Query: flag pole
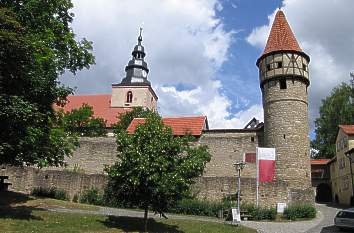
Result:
[257,177]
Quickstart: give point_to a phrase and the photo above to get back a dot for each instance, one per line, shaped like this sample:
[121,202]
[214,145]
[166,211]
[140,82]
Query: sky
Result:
[202,53]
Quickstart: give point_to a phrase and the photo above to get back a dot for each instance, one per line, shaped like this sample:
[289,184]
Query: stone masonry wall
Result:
[26,178]
[210,188]
[92,155]
[227,147]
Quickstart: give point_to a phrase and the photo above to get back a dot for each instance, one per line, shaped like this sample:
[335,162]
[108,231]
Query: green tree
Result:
[154,169]
[37,44]
[83,122]
[336,109]
[126,118]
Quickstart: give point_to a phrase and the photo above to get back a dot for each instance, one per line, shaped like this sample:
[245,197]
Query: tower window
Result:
[268,67]
[129,97]
[279,64]
[304,67]
[283,84]
[252,139]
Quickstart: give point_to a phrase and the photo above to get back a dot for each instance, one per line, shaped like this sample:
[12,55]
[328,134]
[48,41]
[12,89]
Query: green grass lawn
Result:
[27,214]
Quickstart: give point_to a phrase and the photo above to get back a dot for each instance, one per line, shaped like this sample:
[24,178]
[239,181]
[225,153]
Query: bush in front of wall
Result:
[51,192]
[92,196]
[300,211]
[259,213]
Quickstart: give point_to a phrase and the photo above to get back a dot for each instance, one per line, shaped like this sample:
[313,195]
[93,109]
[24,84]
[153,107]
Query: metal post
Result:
[239,166]
[239,189]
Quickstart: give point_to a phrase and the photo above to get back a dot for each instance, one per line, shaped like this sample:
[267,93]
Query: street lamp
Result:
[239,166]
[350,156]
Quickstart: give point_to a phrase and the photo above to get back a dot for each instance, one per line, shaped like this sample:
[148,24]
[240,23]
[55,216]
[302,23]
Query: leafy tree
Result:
[155,169]
[126,118]
[83,122]
[336,109]
[37,44]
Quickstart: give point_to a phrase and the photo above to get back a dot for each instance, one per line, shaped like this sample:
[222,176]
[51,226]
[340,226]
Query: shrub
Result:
[298,211]
[51,192]
[199,207]
[91,196]
[259,213]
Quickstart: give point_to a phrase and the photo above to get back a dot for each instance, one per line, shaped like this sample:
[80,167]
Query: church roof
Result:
[180,125]
[101,105]
[348,129]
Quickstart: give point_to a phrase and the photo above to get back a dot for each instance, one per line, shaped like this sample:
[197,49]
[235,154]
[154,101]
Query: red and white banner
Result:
[265,164]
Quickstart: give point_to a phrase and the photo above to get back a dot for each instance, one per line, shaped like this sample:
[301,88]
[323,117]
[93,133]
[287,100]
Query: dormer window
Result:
[129,97]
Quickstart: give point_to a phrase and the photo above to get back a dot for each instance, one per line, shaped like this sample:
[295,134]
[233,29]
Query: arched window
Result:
[129,97]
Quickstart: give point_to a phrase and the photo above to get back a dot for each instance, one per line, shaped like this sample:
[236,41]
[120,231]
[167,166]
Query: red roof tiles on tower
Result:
[281,36]
[180,125]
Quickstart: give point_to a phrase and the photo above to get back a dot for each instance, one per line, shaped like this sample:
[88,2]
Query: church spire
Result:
[137,70]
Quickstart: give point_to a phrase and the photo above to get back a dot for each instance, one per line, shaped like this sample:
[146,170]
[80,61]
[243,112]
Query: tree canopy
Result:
[126,118]
[154,169]
[336,109]
[82,122]
[37,44]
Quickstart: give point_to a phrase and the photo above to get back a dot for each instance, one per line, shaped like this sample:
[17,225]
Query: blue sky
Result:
[239,73]
[202,53]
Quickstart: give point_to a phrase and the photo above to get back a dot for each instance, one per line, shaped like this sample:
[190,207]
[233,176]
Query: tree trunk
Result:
[146,218]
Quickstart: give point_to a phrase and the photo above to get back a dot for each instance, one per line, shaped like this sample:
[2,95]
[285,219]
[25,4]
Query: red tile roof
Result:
[281,36]
[320,161]
[348,129]
[180,125]
[101,105]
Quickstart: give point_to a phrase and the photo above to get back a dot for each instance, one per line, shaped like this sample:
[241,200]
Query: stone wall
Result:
[26,178]
[92,155]
[210,188]
[227,147]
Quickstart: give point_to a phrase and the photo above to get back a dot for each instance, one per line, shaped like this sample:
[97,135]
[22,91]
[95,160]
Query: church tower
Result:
[284,81]
[135,89]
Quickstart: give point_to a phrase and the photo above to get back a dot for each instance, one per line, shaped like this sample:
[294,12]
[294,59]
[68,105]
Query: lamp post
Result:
[239,166]
[350,156]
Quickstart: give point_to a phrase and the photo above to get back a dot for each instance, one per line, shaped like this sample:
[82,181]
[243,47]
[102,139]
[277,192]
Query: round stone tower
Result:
[284,81]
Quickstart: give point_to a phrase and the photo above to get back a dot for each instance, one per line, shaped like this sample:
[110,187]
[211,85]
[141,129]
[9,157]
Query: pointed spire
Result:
[140,38]
[281,36]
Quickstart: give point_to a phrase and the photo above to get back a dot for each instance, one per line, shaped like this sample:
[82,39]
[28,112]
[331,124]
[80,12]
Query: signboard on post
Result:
[236,216]
[281,207]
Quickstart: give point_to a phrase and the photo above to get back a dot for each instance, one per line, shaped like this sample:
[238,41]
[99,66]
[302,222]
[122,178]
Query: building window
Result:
[283,84]
[129,97]
[252,139]
[304,67]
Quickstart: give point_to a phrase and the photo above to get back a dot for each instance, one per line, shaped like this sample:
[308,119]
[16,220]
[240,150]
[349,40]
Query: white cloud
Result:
[185,44]
[207,100]
[325,31]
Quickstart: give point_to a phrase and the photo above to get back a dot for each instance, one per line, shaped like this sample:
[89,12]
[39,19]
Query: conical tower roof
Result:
[281,37]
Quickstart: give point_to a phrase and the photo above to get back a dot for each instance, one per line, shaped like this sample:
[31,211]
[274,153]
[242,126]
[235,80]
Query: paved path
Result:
[285,227]
[323,223]
[326,225]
